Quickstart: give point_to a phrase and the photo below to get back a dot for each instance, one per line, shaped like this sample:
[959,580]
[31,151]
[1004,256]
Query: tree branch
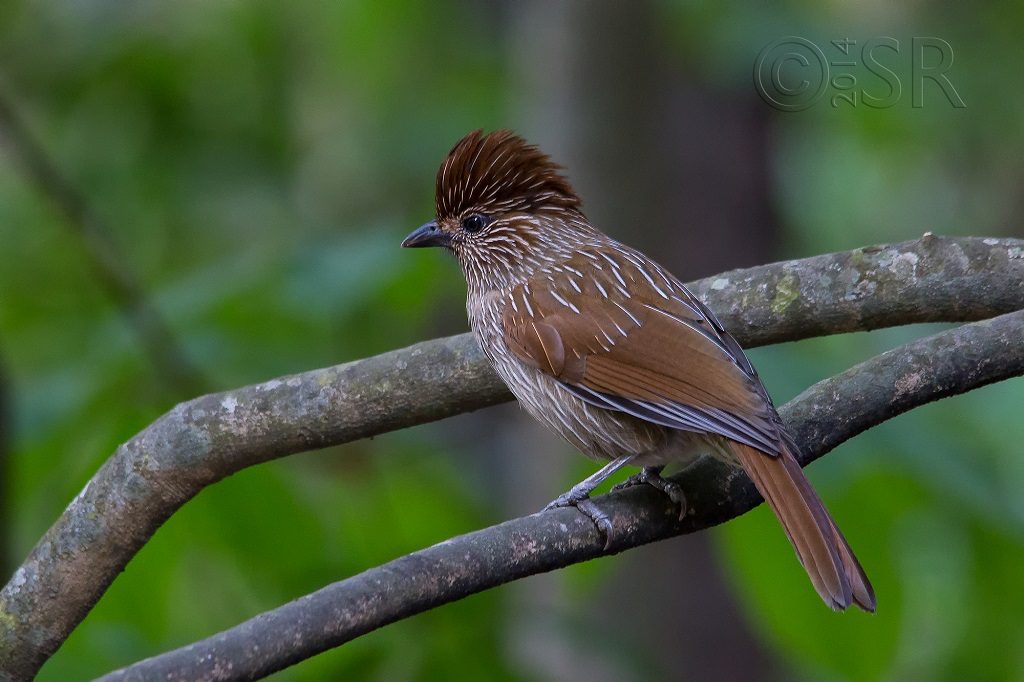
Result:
[202,441]
[825,415]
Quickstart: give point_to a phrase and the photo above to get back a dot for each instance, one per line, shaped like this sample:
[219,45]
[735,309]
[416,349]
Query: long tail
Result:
[822,549]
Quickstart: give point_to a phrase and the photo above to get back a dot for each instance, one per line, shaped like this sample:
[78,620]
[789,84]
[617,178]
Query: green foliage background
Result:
[258,164]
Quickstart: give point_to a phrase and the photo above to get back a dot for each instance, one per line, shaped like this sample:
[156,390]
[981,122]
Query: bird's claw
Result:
[652,477]
[586,506]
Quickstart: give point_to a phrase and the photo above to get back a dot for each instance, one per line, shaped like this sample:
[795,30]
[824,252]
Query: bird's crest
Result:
[500,172]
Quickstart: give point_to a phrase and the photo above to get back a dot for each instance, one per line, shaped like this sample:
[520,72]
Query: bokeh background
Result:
[200,195]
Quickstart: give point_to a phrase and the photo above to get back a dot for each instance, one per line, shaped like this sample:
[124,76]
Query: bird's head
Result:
[503,206]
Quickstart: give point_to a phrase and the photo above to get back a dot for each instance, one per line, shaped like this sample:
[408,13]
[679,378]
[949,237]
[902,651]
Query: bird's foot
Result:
[579,497]
[652,476]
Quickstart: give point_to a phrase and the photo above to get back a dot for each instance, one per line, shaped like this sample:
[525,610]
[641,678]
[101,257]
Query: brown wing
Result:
[633,339]
[621,333]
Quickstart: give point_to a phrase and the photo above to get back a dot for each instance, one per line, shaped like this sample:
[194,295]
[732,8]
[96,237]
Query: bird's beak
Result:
[428,234]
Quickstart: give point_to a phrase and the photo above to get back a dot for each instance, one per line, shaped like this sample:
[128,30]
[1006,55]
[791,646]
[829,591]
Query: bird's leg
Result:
[652,477]
[579,496]
[582,490]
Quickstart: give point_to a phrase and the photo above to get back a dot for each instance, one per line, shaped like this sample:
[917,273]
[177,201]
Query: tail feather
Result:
[826,556]
[863,592]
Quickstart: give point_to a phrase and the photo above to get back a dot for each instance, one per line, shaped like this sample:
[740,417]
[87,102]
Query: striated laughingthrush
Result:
[611,351]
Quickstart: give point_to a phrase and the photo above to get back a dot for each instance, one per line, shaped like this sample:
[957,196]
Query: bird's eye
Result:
[474,222]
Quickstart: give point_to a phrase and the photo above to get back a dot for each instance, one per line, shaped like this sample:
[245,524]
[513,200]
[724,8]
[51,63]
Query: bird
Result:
[612,352]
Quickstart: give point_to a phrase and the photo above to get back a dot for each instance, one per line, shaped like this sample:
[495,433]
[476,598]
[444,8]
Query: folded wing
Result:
[621,333]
